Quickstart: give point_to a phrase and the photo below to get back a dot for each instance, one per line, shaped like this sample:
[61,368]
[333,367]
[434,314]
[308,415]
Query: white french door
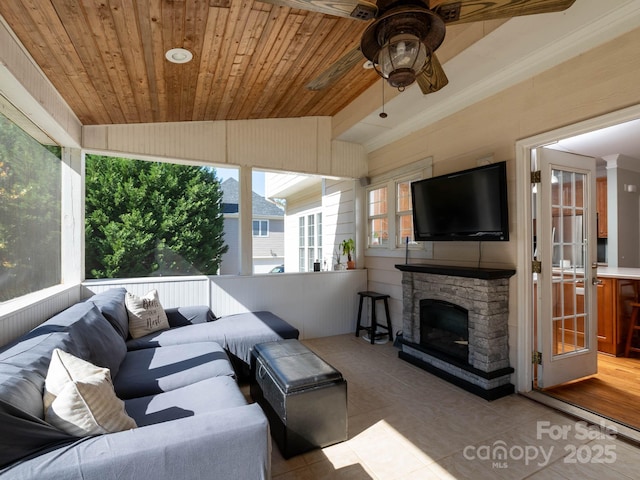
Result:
[566,247]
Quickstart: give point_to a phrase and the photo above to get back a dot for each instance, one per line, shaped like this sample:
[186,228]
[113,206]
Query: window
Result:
[310,241]
[390,216]
[378,235]
[261,228]
[30,213]
[146,218]
[404,217]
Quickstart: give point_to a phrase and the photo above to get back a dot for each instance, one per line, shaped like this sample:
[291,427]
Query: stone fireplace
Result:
[455,325]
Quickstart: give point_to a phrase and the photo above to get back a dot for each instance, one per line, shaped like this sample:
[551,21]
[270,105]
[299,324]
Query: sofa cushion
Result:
[183,316]
[236,333]
[80,330]
[146,314]
[201,397]
[79,398]
[111,304]
[22,388]
[155,370]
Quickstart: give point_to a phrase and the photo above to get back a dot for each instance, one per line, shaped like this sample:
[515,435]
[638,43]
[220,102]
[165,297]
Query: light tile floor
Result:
[405,423]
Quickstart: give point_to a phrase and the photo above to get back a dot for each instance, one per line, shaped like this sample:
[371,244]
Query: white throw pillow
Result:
[79,398]
[146,314]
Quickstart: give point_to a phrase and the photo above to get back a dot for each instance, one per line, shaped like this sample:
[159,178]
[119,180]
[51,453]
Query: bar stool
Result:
[374,296]
[633,326]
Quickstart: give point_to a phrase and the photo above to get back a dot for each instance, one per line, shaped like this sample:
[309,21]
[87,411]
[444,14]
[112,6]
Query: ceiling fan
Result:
[401,41]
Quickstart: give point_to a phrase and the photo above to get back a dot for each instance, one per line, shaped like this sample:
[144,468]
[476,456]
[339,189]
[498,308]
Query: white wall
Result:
[21,315]
[301,145]
[623,209]
[318,304]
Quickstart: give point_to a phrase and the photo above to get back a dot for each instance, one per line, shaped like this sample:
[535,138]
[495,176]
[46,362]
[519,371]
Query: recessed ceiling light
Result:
[178,55]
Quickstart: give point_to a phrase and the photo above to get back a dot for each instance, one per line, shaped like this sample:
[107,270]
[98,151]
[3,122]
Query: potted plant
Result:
[349,247]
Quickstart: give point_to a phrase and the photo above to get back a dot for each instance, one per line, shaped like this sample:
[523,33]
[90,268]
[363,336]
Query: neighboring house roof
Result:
[261,206]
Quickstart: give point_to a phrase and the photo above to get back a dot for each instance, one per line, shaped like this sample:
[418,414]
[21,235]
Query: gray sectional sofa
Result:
[179,385]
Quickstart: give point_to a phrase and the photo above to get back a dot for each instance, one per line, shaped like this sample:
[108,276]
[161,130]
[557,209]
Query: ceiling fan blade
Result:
[464,11]
[359,9]
[337,70]
[432,78]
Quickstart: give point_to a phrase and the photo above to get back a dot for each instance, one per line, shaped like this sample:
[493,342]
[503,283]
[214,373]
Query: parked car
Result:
[278,269]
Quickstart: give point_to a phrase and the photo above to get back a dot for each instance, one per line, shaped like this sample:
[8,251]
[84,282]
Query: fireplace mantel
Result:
[466,272]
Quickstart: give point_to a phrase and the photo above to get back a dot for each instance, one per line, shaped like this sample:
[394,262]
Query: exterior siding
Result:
[339,215]
[231,260]
[268,252]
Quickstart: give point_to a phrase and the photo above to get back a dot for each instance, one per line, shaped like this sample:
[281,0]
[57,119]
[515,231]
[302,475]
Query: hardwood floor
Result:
[613,392]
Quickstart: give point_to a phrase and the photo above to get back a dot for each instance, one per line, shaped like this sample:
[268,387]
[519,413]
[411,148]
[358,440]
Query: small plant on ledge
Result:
[349,247]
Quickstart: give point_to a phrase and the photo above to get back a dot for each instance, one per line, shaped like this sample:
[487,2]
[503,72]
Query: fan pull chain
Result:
[383,114]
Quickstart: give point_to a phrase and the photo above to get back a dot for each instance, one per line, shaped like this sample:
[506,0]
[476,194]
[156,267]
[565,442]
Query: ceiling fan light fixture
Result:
[401,59]
[400,43]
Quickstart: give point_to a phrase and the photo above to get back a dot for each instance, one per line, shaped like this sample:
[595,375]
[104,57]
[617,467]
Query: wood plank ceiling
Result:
[251,59]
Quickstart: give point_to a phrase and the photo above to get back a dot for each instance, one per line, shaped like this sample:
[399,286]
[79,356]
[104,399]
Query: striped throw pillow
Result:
[79,398]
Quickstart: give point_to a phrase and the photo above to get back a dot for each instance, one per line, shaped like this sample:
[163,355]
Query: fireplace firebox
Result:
[444,327]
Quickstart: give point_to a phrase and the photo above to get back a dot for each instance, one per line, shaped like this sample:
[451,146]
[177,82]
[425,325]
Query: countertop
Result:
[625,273]
[619,272]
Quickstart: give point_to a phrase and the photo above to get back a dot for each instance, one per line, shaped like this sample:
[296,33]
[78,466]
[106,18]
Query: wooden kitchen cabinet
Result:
[614,311]
[614,296]
[607,316]
[601,207]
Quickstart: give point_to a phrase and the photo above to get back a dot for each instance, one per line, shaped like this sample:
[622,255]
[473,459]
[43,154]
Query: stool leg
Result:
[359,315]
[386,310]
[374,323]
[632,323]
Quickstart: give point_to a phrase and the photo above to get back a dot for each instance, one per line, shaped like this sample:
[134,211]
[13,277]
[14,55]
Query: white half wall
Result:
[318,304]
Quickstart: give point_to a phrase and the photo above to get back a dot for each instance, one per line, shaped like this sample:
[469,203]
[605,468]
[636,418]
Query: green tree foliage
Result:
[151,218]
[30,225]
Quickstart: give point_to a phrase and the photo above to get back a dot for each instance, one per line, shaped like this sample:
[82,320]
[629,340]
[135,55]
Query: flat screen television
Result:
[470,205]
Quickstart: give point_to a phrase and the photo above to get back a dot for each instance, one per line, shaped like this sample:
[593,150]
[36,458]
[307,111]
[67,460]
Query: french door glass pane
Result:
[569,247]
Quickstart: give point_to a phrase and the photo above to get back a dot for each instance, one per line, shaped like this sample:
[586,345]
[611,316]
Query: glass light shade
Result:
[402,53]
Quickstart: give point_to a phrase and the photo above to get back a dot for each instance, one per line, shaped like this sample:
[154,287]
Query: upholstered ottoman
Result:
[304,398]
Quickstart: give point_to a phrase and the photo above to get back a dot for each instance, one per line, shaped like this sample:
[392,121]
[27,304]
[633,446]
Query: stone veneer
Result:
[484,293]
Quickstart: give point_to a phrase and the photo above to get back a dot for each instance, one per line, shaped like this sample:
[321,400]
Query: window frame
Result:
[305,261]
[392,180]
[61,184]
[379,216]
[260,234]
[399,240]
